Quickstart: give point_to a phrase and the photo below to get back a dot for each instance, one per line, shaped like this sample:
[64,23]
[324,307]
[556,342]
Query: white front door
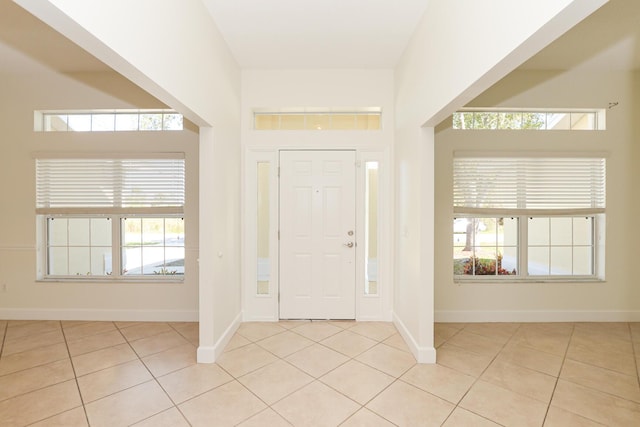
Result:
[317,234]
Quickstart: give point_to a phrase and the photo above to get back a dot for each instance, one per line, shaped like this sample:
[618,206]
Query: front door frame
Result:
[265,306]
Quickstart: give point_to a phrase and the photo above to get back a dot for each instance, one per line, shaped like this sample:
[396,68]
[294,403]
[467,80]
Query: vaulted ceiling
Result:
[328,34]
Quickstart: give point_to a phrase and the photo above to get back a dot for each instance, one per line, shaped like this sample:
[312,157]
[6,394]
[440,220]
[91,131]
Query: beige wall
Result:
[26,298]
[615,299]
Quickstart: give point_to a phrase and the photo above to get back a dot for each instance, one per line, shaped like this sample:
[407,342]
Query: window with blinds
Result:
[529,218]
[533,185]
[88,185]
[116,218]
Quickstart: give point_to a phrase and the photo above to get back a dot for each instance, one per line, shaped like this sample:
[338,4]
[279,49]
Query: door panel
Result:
[317,212]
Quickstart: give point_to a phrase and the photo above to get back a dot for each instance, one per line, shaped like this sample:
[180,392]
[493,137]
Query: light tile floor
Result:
[318,374]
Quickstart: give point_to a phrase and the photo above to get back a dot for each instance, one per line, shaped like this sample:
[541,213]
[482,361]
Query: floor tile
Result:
[463,418]
[557,417]
[144,330]
[285,343]
[32,379]
[245,359]
[129,406]
[101,359]
[275,381]
[366,418]
[317,360]
[157,343]
[349,343]
[542,339]
[605,380]
[378,331]
[255,331]
[32,342]
[193,381]
[462,360]
[31,358]
[388,359]
[503,406]
[595,405]
[406,405]
[520,380]
[73,418]
[526,357]
[343,324]
[88,329]
[500,332]
[317,331]
[477,343]
[112,380]
[95,342]
[612,342]
[316,405]
[169,418]
[266,418]
[398,342]
[38,405]
[439,380]
[236,341]
[357,381]
[617,329]
[23,329]
[447,330]
[601,356]
[171,360]
[291,324]
[230,404]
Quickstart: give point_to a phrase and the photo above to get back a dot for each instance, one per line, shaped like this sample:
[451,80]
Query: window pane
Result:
[509,262]
[583,121]
[538,261]
[263,228]
[486,232]
[80,122]
[126,122]
[80,261]
[172,122]
[79,232]
[57,231]
[561,230]
[55,122]
[151,121]
[583,231]
[100,232]
[267,122]
[58,261]
[561,261]
[292,121]
[583,261]
[371,228]
[343,121]
[317,122]
[101,261]
[153,246]
[103,122]
[533,121]
[538,231]
[558,121]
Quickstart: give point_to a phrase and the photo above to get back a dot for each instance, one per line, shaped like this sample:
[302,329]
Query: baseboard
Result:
[522,316]
[210,354]
[422,354]
[99,315]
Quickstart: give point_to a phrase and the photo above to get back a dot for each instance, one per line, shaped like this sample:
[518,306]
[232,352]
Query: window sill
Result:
[492,281]
[96,280]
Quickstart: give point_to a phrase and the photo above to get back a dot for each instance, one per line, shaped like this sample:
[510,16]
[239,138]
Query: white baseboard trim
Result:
[209,354]
[99,315]
[522,316]
[422,354]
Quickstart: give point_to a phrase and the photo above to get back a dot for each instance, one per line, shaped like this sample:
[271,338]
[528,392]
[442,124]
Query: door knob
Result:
[349,244]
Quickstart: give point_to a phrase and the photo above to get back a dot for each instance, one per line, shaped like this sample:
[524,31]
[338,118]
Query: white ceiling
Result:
[317,33]
[327,34]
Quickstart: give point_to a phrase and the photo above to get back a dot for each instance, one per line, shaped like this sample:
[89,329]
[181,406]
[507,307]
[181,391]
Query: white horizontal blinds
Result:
[531,185]
[76,185]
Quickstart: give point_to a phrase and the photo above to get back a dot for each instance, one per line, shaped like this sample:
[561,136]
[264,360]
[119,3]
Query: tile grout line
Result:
[75,376]
[457,405]
[555,386]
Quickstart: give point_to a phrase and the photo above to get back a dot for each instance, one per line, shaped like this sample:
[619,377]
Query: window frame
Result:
[64,191]
[117,244]
[532,177]
[523,276]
